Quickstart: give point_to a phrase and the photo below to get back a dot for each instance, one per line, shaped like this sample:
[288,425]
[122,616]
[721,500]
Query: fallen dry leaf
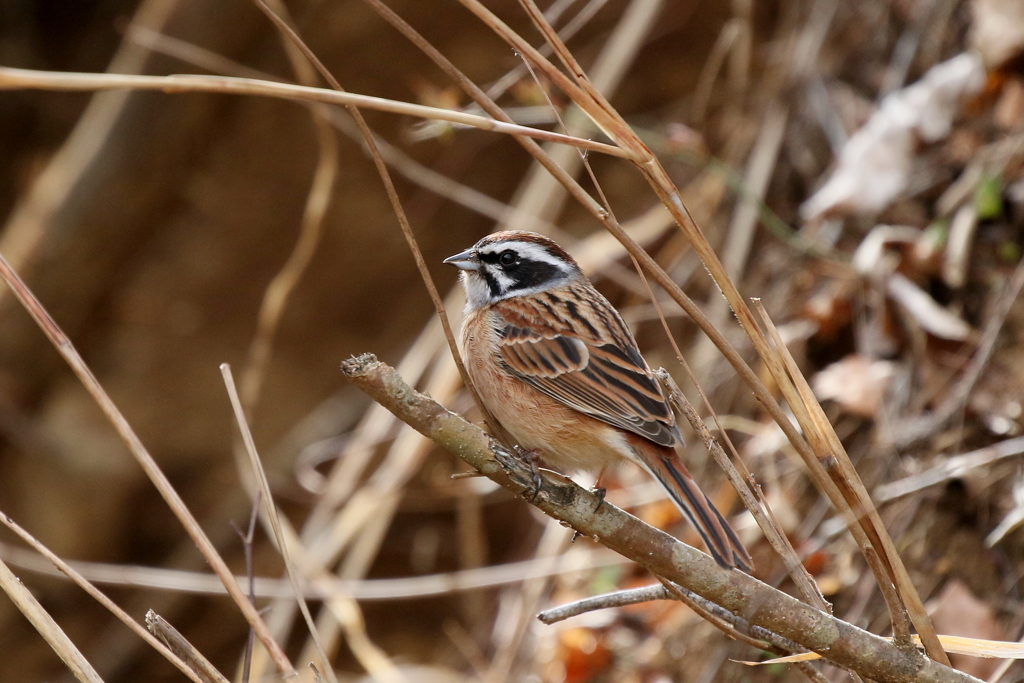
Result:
[874,166]
[856,383]
[957,612]
[932,317]
[997,31]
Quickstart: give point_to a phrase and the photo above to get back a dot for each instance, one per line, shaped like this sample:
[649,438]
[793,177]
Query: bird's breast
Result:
[568,440]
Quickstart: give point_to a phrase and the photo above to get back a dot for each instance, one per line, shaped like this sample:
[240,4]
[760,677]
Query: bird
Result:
[554,363]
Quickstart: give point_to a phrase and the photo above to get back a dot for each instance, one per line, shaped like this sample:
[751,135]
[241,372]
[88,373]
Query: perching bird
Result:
[555,364]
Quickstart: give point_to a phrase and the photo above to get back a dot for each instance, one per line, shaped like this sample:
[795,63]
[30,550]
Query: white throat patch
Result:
[477,292]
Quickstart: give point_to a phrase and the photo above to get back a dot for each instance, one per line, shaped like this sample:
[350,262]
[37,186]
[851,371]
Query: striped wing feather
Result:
[603,376]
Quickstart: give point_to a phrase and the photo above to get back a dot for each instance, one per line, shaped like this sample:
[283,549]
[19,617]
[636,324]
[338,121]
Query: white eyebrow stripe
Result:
[527,251]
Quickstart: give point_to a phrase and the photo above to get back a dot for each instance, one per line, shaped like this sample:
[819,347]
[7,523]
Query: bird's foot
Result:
[531,457]
[600,492]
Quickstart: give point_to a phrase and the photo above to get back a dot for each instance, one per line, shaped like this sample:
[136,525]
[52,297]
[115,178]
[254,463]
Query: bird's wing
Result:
[582,355]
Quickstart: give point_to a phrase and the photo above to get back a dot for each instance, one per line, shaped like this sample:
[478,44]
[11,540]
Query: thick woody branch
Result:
[758,604]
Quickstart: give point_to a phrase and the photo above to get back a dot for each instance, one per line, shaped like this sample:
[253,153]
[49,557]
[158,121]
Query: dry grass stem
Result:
[183,649]
[749,492]
[359,589]
[842,472]
[47,627]
[21,79]
[271,513]
[152,470]
[98,595]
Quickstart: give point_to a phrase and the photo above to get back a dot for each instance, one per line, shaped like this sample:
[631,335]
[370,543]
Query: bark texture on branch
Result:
[759,604]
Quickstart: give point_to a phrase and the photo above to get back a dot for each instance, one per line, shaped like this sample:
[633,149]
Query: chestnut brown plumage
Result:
[558,368]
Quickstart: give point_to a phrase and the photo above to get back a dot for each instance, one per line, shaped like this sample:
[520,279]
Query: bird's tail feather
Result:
[720,539]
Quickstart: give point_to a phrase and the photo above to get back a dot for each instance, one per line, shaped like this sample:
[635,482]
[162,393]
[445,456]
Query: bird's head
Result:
[512,263]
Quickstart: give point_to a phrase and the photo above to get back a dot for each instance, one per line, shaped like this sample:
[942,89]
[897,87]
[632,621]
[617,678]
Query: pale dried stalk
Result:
[892,578]
[271,514]
[748,491]
[27,79]
[149,466]
[177,643]
[47,627]
[281,287]
[98,595]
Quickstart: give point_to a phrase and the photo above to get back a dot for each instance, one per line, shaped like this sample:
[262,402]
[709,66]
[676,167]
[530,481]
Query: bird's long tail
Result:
[720,539]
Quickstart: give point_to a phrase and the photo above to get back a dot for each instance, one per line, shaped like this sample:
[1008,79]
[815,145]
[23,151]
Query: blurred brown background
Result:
[151,224]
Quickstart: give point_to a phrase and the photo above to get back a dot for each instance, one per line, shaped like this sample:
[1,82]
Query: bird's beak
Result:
[466,260]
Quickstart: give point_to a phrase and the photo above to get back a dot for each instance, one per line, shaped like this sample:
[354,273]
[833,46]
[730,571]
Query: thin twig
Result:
[492,576]
[47,627]
[272,514]
[28,79]
[623,598]
[247,540]
[180,646]
[952,468]
[98,595]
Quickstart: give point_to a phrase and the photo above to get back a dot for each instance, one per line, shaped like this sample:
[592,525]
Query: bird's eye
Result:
[508,258]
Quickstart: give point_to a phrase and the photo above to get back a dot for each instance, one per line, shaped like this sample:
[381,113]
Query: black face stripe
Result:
[523,273]
[489,256]
[492,283]
[529,274]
